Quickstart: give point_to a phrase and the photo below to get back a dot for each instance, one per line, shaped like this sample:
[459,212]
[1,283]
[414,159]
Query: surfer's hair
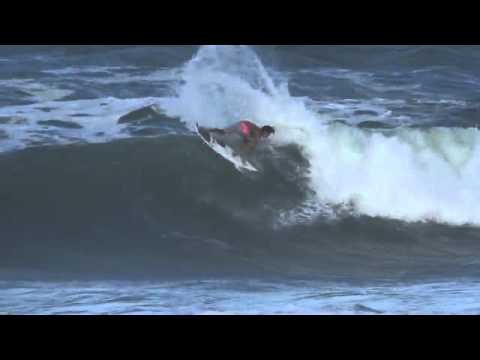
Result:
[268,130]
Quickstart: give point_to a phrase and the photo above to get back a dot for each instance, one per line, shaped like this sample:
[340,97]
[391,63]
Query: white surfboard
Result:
[226,152]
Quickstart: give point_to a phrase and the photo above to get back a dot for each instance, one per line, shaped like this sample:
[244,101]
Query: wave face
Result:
[372,169]
[166,206]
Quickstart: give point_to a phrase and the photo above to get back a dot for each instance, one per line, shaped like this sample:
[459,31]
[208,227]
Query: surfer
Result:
[249,132]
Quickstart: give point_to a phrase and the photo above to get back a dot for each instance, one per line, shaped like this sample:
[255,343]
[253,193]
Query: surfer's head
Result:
[267,131]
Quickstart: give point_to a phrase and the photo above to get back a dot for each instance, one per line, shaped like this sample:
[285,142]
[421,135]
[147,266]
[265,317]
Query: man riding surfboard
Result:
[249,132]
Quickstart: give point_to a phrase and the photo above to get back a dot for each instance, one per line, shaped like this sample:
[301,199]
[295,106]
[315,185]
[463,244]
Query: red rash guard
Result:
[245,128]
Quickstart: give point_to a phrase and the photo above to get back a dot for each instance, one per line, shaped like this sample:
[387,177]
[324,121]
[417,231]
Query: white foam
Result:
[413,175]
[116,74]
[453,102]
[99,116]
[239,297]
[159,76]
[409,174]
[304,214]
[37,91]
[348,110]
[361,79]
[87,70]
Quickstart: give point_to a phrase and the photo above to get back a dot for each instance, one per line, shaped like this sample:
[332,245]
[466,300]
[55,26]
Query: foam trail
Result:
[406,174]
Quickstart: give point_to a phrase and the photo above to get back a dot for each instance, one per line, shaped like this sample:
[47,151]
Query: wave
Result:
[374,166]
[406,174]
[168,206]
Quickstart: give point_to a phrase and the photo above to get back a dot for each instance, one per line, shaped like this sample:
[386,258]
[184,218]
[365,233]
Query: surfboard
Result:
[223,150]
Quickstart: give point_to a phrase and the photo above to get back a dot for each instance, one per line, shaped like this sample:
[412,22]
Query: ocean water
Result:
[367,199]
